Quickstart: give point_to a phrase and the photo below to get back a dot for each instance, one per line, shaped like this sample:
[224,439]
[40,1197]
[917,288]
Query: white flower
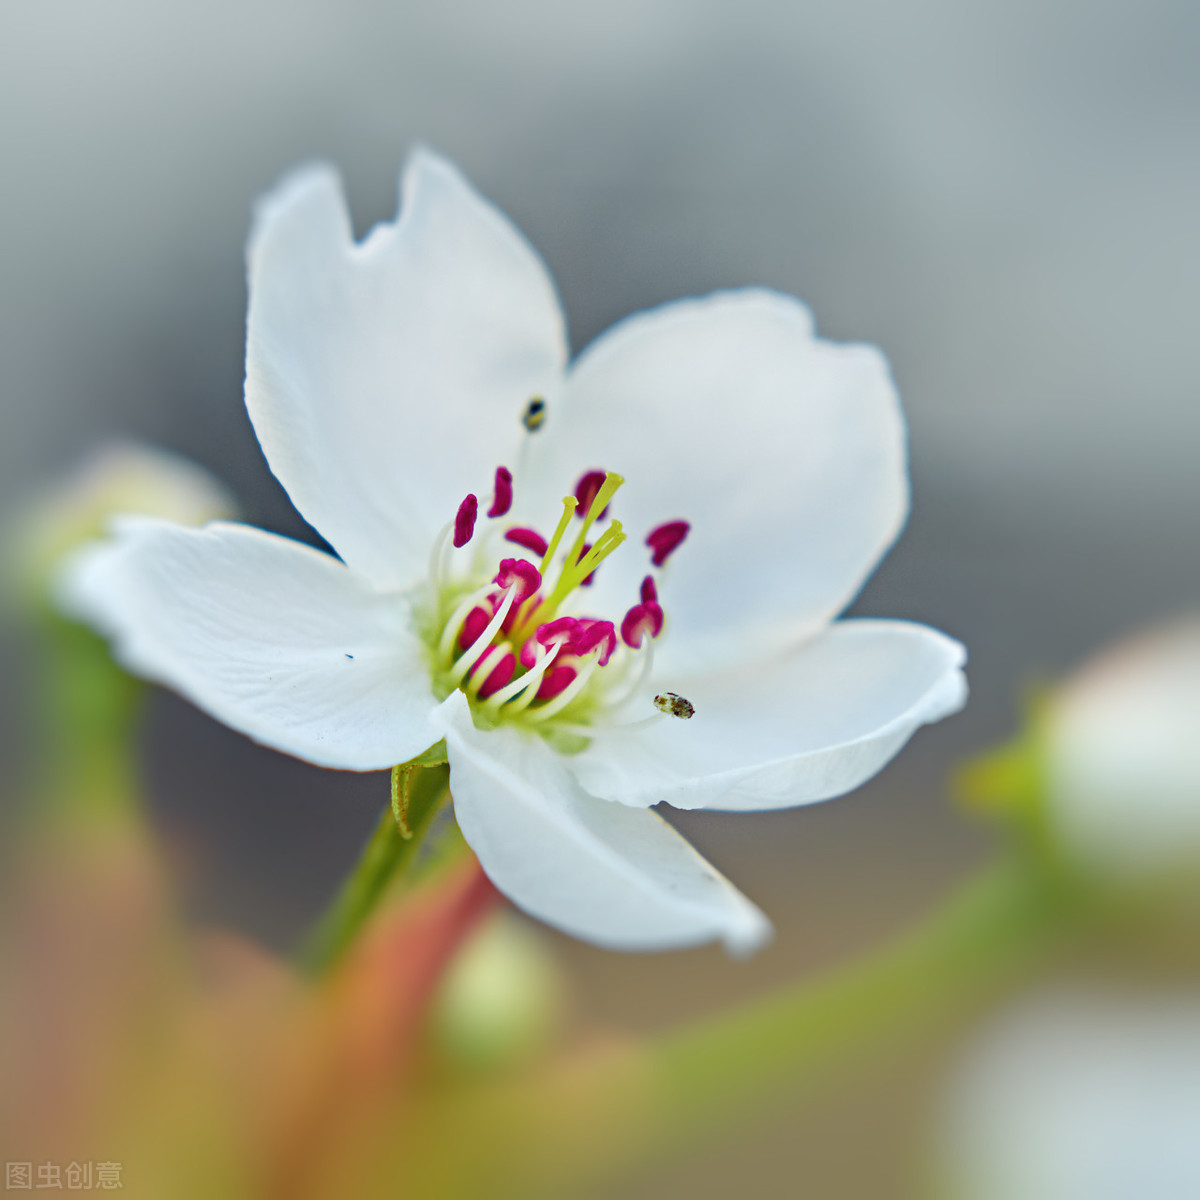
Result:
[1079,1096]
[1122,745]
[388,381]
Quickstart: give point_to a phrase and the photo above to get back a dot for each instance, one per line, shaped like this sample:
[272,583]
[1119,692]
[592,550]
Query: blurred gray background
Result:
[1003,195]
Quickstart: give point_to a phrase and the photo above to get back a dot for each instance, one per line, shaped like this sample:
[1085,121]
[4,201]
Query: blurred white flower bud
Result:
[1121,750]
[502,1001]
[1078,1096]
[116,478]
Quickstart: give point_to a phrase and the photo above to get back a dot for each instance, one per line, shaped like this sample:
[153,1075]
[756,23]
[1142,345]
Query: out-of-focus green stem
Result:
[588,1119]
[387,855]
[995,929]
[86,709]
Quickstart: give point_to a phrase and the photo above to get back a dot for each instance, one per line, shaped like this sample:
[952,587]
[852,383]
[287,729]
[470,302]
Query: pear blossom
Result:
[604,584]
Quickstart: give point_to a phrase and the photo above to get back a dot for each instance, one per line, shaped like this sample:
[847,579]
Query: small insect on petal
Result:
[502,493]
[666,539]
[535,414]
[674,705]
[464,521]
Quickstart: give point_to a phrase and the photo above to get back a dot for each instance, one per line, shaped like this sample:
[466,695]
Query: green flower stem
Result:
[387,856]
[86,711]
[996,929]
[598,1115]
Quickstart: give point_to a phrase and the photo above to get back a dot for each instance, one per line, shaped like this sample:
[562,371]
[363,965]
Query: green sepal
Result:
[1008,784]
[402,776]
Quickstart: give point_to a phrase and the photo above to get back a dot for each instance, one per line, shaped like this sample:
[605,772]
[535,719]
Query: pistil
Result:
[505,645]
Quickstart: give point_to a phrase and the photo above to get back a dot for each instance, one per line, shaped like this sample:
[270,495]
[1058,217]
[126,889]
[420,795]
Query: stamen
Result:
[543,662]
[555,682]
[464,521]
[561,631]
[607,542]
[528,539]
[644,664]
[666,539]
[474,623]
[546,711]
[604,545]
[591,578]
[451,629]
[574,568]
[598,505]
[502,494]
[525,688]
[587,489]
[521,574]
[591,633]
[642,621]
[437,558]
[470,657]
[494,671]
[609,728]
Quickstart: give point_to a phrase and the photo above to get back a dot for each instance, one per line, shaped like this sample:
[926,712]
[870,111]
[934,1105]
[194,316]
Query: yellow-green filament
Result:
[607,490]
[569,506]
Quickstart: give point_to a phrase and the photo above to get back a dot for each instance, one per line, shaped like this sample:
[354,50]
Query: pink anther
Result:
[521,574]
[640,622]
[528,539]
[585,492]
[499,676]
[555,680]
[464,521]
[560,631]
[474,624]
[502,496]
[592,633]
[667,538]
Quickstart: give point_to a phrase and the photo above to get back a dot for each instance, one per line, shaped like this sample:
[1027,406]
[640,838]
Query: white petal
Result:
[269,636]
[386,380]
[808,725]
[616,876]
[785,452]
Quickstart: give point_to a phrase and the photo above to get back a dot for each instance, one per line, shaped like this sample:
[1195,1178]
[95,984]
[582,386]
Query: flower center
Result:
[512,633]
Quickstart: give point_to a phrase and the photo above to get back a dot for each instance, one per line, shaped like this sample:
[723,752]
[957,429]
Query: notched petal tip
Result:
[424,162]
[308,200]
